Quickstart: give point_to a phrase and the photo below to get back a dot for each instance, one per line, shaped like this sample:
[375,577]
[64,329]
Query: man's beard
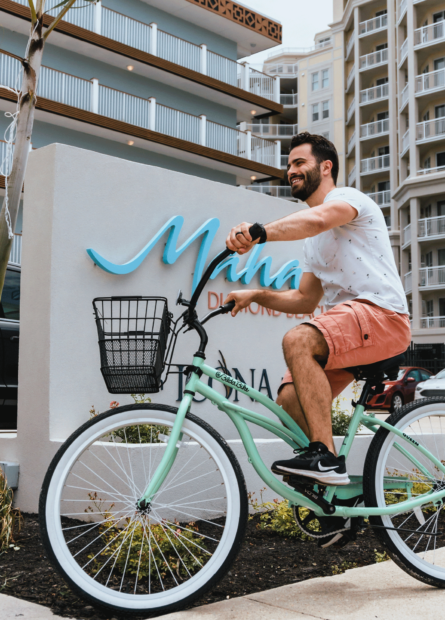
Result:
[310,184]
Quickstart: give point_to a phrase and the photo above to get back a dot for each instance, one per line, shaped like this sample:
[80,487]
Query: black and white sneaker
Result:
[315,462]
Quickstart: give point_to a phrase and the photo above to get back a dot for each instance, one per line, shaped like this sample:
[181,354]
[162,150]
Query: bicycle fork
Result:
[172,448]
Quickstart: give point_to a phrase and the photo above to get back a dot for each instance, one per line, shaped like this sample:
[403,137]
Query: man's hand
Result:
[239,239]
[241,298]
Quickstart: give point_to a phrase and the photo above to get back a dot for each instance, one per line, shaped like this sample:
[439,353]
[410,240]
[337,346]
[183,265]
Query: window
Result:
[430,308]
[415,374]
[425,211]
[315,112]
[442,307]
[10,303]
[439,63]
[426,116]
[382,12]
[381,81]
[440,159]
[441,208]
[427,163]
[325,107]
[382,46]
[315,81]
[427,260]
[381,116]
[441,258]
[425,375]
[325,134]
[325,78]
[409,261]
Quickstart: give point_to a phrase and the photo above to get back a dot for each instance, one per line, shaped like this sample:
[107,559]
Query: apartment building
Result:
[153,81]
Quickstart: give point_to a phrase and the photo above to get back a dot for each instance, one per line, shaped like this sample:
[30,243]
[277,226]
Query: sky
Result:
[301,20]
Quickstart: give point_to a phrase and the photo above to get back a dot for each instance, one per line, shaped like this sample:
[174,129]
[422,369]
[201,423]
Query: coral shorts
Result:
[358,332]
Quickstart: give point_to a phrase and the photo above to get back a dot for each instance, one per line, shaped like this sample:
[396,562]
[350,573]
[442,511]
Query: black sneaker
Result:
[315,462]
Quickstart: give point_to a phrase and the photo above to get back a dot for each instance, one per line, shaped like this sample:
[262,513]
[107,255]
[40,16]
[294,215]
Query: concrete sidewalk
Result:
[12,608]
[381,591]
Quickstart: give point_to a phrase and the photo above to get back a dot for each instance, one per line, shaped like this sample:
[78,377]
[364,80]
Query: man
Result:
[348,259]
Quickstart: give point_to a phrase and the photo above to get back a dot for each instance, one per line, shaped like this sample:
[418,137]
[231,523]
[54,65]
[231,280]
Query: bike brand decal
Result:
[289,271]
[236,384]
[411,439]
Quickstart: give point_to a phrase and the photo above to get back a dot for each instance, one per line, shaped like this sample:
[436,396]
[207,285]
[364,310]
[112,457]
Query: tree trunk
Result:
[31,66]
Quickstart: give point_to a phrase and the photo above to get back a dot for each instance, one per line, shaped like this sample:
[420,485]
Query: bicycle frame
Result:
[287,430]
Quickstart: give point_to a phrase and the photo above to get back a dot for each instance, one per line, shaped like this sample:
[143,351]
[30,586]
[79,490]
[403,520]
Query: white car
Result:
[434,386]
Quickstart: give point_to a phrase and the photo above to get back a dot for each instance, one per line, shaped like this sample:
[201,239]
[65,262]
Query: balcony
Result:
[151,40]
[352,176]
[428,131]
[298,51]
[351,110]
[432,322]
[432,277]
[284,161]
[405,143]
[350,78]
[276,191]
[282,69]
[428,35]
[403,51]
[374,164]
[404,97]
[423,171]
[351,143]
[289,101]
[402,9]
[107,103]
[374,59]
[431,228]
[272,131]
[372,25]
[430,82]
[377,128]
[376,93]
[383,199]
[408,282]
[349,45]
[406,240]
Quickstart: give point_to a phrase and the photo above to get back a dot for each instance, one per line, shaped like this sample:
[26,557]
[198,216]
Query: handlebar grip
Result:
[228,307]
[255,231]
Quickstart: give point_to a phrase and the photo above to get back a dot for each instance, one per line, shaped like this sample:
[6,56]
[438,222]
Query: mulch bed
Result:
[265,561]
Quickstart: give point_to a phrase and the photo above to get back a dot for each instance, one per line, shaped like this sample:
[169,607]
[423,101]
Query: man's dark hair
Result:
[322,149]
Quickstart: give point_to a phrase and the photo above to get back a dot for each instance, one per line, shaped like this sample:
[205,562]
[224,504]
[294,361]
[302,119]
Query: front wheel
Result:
[142,562]
[395,470]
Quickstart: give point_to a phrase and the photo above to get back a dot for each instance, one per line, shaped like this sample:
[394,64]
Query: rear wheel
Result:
[155,561]
[414,538]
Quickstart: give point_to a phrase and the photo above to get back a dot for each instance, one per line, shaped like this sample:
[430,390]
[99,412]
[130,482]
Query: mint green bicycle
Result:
[144,508]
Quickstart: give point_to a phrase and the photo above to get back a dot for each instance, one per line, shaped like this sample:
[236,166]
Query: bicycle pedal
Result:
[305,486]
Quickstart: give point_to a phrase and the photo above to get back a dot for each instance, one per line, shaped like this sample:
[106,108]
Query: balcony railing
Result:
[146,113]
[148,38]
[407,234]
[404,96]
[431,227]
[350,77]
[430,130]
[350,111]
[431,322]
[429,34]
[373,59]
[383,199]
[284,160]
[402,8]
[427,82]
[350,44]
[272,131]
[370,25]
[295,51]
[351,143]
[432,276]
[352,176]
[373,164]
[16,250]
[375,93]
[431,170]
[289,100]
[376,128]
[283,69]
[277,191]
[408,282]
[405,142]
[403,51]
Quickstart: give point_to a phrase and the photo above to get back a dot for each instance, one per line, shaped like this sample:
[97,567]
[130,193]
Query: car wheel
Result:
[397,402]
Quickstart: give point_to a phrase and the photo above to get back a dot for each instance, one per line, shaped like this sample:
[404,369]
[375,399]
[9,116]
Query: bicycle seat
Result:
[389,367]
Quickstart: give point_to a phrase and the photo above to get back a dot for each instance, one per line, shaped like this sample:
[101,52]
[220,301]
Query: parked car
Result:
[9,343]
[400,391]
[433,386]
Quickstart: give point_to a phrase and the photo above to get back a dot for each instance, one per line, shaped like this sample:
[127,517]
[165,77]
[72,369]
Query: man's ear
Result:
[327,166]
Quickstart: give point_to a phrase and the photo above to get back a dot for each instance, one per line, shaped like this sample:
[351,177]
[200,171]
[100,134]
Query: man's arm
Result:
[303,301]
[299,225]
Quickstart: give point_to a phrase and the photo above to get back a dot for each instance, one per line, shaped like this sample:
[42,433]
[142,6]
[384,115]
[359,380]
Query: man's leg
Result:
[288,399]
[304,349]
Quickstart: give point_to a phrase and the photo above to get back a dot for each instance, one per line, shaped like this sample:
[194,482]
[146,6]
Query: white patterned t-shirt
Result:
[355,261]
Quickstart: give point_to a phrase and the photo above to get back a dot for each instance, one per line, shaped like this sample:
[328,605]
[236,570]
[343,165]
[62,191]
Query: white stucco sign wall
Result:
[77,200]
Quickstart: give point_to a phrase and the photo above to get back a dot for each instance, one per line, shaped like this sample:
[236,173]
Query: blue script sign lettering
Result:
[289,271]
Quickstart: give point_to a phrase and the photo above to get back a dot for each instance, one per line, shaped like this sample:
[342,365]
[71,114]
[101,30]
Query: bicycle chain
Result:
[310,532]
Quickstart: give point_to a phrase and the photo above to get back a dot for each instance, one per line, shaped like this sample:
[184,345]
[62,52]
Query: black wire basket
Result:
[133,334]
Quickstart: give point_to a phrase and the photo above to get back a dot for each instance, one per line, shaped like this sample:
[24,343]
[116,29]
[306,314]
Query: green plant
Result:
[381,557]
[10,518]
[277,517]
[343,567]
[152,548]
[143,433]
[340,418]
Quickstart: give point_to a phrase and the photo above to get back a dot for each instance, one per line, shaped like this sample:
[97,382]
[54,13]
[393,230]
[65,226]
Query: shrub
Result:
[340,418]
[10,518]
[278,517]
